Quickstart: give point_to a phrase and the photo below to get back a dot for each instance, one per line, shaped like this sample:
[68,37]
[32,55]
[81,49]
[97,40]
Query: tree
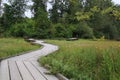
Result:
[38,4]
[54,15]
[18,7]
[83,31]
[58,10]
[0,8]
[14,12]
[102,4]
[42,23]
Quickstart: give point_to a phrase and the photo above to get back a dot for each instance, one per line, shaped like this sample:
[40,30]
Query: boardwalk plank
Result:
[25,67]
[43,71]
[4,71]
[14,72]
[26,75]
[36,74]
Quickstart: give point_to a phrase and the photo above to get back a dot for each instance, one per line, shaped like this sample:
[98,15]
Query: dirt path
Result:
[26,67]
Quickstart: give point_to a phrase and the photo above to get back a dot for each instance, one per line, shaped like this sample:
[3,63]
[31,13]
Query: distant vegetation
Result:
[67,18]
[85,59]
[12,47]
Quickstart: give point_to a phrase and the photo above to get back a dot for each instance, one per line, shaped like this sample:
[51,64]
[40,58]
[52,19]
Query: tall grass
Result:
[10,47]
[85,60]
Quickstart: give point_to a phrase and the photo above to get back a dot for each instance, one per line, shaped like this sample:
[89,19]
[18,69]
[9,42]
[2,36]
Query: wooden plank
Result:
[44,71]
[26,75]
[27,70]
[14,72]
[4,70]
[36,74]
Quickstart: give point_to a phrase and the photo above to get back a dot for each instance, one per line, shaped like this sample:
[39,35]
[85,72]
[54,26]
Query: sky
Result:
[28,12]
[116,1]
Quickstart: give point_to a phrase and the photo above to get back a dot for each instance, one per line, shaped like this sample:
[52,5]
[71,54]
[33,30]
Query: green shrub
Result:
[60,30]
[22,29]
[17,30]
[83,31]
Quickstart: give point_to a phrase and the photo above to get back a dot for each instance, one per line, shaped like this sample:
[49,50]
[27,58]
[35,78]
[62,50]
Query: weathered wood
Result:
[44,71]
[71,39]
[61,77]
[25,67]
[35,73]
[14,72]
[24,71]
[30,40]
[4,70]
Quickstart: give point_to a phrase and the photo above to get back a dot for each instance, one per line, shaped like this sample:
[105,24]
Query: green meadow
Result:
[11,47]
[85,59]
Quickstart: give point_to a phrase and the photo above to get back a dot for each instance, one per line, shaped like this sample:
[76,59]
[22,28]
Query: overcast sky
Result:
[116,1]
[28,12]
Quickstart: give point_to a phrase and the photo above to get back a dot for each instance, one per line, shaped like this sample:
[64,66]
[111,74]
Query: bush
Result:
[17,30]
[22,29]
[30,28]
[60,30]
[83,31]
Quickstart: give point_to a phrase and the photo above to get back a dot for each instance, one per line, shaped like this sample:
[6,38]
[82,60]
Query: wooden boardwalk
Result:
[26,67]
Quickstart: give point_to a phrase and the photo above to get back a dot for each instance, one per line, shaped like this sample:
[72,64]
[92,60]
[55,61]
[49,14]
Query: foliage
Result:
[60,30]
[26,28]
[83,31]
[42,24]
[75,18]
[85,59]
[37,5]
[13,12]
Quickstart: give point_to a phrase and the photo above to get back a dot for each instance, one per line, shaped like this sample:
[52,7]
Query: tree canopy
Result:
[66,18]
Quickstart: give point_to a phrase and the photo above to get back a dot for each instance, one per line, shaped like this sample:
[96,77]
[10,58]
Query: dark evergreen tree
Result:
[38,4]
[42,23]
[59,10]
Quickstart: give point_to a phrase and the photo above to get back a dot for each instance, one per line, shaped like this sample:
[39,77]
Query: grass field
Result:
[11,47]
[85,59]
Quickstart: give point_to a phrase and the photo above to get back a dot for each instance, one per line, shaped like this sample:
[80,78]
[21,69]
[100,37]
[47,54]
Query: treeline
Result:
[67,18]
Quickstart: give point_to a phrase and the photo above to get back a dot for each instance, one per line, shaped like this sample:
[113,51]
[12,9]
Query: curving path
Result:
[26,67]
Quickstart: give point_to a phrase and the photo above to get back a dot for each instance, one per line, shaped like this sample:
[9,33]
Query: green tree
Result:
[26,28]
[83,31]
[18,8]
[58,10]
[54,15]
[0,8]
[14,12]
[0,18]
[8,19]
[42,24]
[102,4]
[38,4]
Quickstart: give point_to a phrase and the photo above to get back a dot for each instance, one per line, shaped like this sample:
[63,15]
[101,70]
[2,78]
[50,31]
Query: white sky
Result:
[28,12]
[116,1]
